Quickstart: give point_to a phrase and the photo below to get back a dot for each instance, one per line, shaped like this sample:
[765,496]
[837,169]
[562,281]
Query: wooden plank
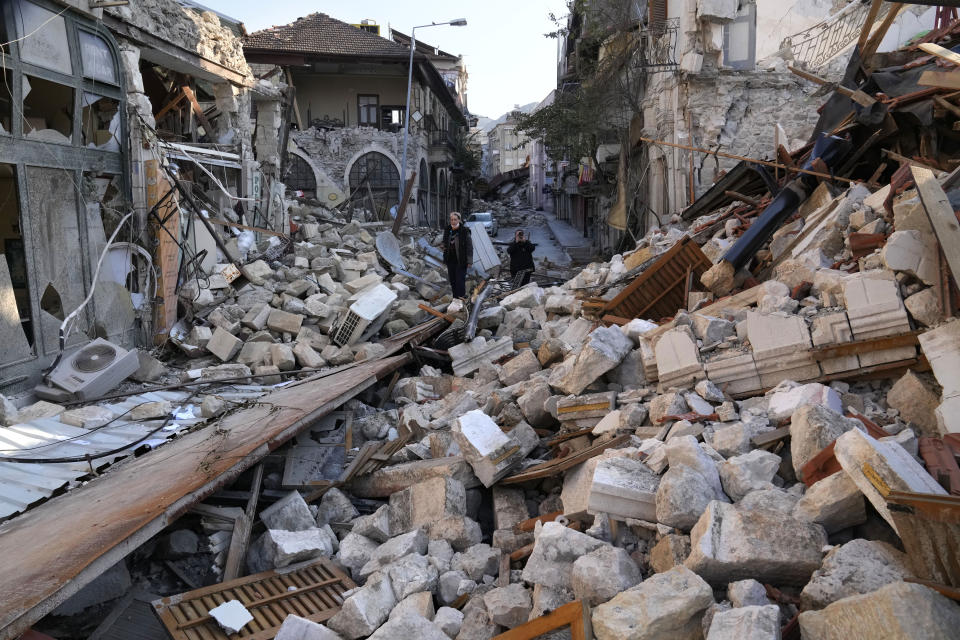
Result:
[869,345]
[403,204]
[94,526]
[866,53]
[574,614]
[167,253]
[941,216]
[941,79]
[242,527]
[296,105]
[177,99]
[530,523]
[198,111]
[868,23]
[562,464]
[940,52]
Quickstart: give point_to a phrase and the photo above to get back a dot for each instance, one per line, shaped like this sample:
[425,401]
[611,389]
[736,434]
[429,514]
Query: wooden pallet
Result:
[316,594]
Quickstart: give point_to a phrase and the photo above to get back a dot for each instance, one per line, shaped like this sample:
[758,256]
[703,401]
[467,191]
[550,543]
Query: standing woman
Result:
[458,254]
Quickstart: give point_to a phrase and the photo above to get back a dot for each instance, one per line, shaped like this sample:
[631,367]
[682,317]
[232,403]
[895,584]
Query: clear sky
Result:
[507,57]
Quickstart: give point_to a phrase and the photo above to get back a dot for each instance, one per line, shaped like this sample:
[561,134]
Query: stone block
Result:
[526,298]
[89,417]
[151,369]
[409,625]
[669,552]
[746,623]
[834,502]
[224,345]
[412,574]
[426,502]
[289,513]
[889,462]
[603,350]
[284,322]
[747,593]
[624,488]
[365,609]
[784,403]
[508,606]
[489,451]
[297,628]
[307,357]
[282,357]
[393,478]
[748,472]
[532,403]
[666,605]
[711,329]
[830,329]
[109,585]
[780,348]
[356,551]
[854,568]
[678,359]
[254,354]
[925,307]
[875,310]
[734,373]
[519,368]
[282,548]
[509,507]
[554,552]
[461,532]
[603,573]
[468,356]
[913,252]
[449,620]
[915,399]
[897,610]
[813,427]
[942,348]
[733,542]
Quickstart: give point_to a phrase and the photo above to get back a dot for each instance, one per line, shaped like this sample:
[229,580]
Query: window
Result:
[15,318]
[100,122]
[300,175]
[740,38]
[97,58]
[47,110]
[368,108]
[47,45]
[391,118]
[379,172]
[6,101]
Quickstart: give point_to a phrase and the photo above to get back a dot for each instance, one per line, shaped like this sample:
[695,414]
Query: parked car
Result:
[490,224]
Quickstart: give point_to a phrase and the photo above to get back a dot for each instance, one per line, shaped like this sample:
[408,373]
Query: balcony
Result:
[440,147]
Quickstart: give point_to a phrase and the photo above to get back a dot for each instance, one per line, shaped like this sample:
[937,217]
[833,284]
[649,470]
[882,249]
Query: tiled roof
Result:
[320,34]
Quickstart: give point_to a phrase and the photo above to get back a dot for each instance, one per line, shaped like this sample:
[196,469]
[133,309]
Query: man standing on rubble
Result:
[521,257]
[458,254]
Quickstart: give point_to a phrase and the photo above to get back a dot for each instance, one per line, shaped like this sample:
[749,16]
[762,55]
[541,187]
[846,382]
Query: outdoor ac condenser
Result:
[95,369]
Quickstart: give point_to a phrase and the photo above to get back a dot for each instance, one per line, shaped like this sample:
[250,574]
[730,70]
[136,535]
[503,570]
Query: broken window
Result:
[97,58]
[740,38]
[100,122]
[391,118]
[6,101]
[368,110]
[47,110]
[44,37]
[16,330]
[300,175]
[379,172]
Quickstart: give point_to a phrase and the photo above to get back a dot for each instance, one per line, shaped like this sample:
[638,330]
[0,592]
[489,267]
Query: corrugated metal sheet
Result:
[23,484]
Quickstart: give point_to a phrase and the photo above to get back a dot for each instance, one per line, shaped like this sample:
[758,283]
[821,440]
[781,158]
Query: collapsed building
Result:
[743,426]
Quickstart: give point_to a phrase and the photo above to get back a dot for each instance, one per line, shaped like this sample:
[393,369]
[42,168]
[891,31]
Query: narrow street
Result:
[247,389]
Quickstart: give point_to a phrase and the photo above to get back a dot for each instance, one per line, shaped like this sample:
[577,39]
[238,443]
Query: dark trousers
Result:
[524,279]
[458,280]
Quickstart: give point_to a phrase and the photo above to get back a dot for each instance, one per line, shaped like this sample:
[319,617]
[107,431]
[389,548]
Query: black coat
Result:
[460,250]
[521,255]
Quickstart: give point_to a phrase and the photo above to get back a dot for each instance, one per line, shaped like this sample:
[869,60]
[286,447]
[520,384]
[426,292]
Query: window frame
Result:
[362,107]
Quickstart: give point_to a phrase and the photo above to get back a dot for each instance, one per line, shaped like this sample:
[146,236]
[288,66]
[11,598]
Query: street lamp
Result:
[459,22]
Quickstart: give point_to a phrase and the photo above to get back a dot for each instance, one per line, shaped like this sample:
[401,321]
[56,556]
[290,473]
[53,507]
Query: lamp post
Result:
[459,22]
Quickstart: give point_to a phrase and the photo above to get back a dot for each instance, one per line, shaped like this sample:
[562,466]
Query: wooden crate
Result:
[312,590]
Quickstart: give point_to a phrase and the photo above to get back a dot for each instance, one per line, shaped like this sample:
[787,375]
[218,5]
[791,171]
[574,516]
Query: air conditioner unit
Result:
[95,369]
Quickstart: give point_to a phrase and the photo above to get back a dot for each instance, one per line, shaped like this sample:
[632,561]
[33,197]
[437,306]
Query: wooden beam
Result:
[403,204]
[941,215]
[172,104]
[201,116]
[576,614]
[941,79]
[242,526]
[871,47]
[296,105]
[868,24]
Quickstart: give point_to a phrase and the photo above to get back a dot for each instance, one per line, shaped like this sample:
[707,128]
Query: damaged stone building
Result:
[97,102]
[351,88]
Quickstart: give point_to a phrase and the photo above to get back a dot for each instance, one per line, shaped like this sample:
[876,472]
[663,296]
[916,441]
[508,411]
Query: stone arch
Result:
[375,172]
[364,151]
[327,190]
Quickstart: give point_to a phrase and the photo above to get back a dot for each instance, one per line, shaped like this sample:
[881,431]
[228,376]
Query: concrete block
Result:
[735,373]
[254,354]
[290,513]
[556,549]
[393,478]
[913,252]
[224,345]
[813,427]
[284,322]
[603,350]
[924,306]
[857,567]
[468,356]
[489,451]
[519,368]
[307,357]
[784,403]
[915,399]
[746,623]
[282,357]
[426,502]
[834,502]
[942,348]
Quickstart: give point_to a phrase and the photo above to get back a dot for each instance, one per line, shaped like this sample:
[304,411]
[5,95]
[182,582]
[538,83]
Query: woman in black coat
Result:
[457,254]
[521,256]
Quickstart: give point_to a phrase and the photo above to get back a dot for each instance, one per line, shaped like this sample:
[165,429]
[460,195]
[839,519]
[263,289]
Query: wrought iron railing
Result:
[658,44]
[821,42]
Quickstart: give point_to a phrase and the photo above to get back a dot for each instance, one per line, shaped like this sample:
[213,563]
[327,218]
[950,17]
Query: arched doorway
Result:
[435,217]
[423,194]
[377,171]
